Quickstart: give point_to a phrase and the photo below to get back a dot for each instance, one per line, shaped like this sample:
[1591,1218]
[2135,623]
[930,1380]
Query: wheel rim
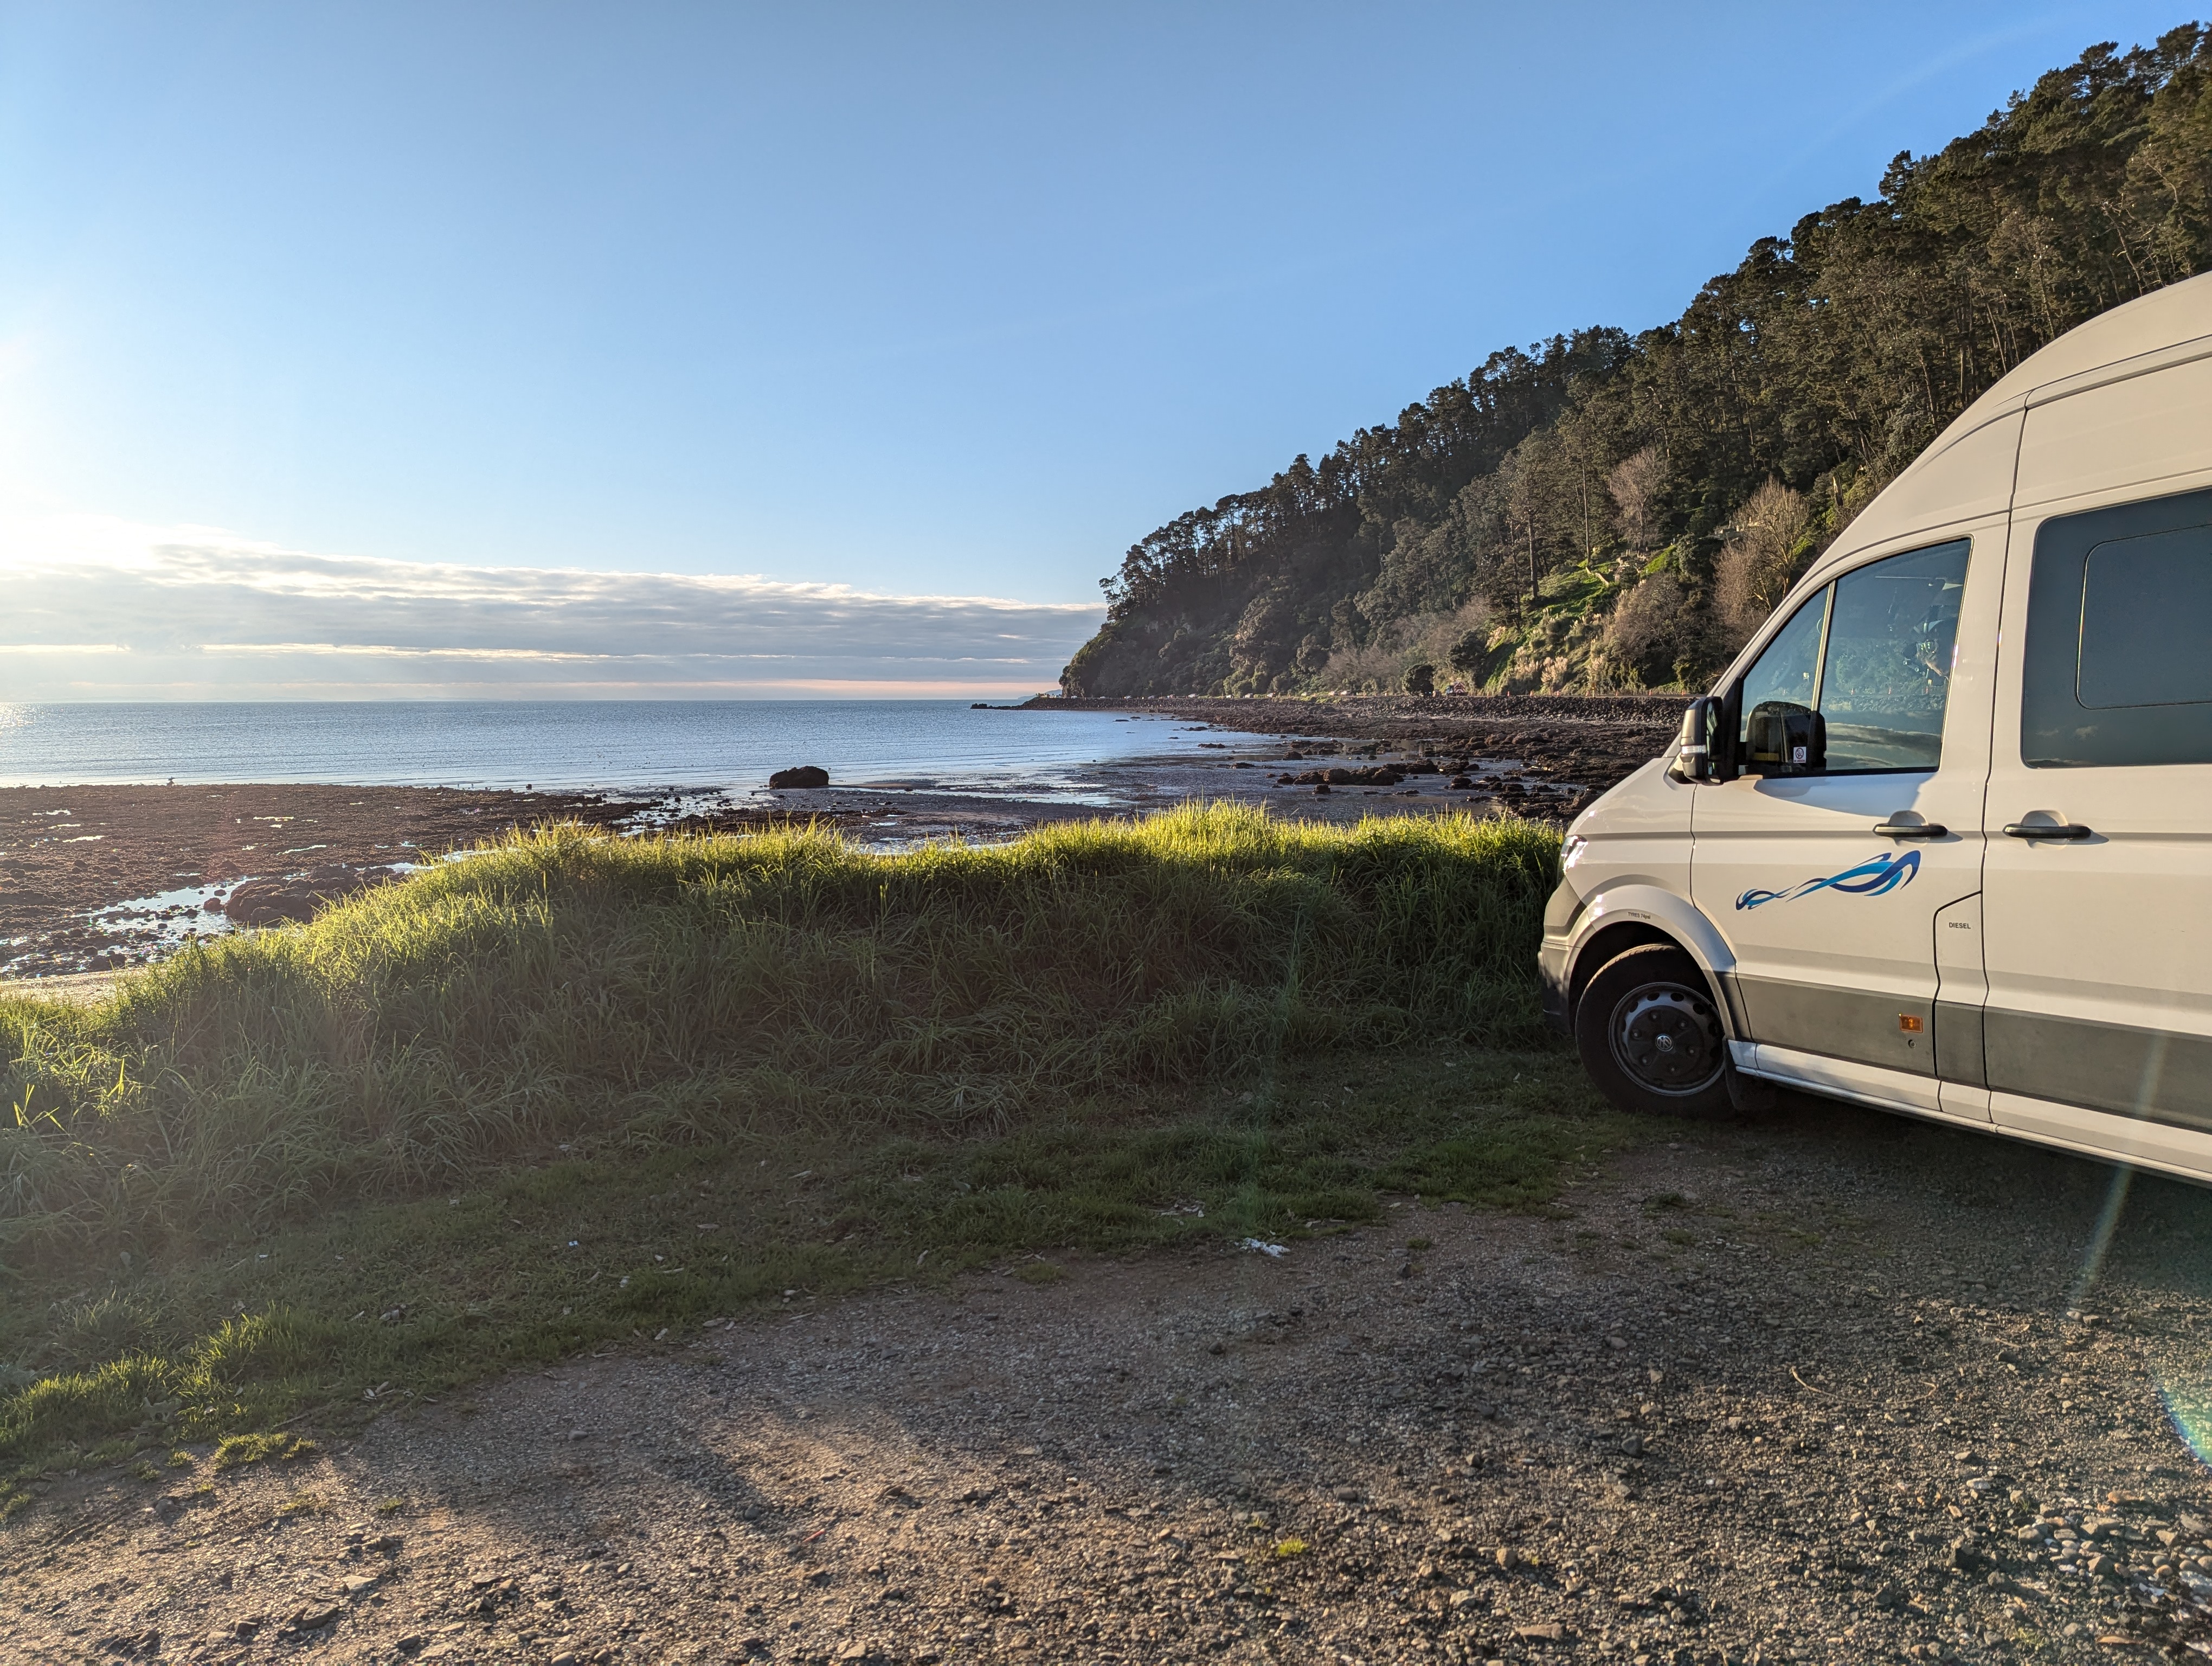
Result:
[1666,1039]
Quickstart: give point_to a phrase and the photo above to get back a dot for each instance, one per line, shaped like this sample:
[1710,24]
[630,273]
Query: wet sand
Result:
[97,877]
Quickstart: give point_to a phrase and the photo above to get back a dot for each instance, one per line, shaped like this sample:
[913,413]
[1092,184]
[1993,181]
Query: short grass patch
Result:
[234,1449]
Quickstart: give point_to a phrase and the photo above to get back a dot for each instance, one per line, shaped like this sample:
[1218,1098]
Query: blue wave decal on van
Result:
[1874,878]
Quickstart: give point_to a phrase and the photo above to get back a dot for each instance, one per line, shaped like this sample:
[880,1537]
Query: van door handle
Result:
[2047,830]
[1913,830]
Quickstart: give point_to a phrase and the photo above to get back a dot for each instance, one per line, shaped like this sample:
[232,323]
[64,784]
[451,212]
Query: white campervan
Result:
[1941,840]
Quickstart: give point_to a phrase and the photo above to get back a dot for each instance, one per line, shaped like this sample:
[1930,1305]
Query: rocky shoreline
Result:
[1596,740]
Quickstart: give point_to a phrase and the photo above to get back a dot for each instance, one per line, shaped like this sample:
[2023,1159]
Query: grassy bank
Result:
[574,1089]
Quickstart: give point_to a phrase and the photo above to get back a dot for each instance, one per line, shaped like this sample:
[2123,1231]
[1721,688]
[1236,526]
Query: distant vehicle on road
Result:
[1940,840]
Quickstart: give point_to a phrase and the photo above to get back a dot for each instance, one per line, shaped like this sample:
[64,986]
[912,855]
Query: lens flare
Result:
[2189,1408]
[2100,1241]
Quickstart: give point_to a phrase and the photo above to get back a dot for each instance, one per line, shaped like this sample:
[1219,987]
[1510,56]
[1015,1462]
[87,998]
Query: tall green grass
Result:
[565,991]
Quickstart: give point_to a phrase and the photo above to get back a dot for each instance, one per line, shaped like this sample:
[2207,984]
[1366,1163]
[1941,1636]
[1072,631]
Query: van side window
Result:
[1788,671]
[1873,653]
[2116,670]
[1892,635]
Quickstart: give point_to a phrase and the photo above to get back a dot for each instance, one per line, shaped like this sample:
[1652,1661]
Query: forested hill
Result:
[1609,511]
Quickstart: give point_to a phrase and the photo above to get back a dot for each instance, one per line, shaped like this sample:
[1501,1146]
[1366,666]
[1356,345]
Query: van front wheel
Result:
[1648,1035]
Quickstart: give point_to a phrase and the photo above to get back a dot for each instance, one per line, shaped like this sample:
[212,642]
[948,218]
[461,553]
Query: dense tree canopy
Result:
[1604,510]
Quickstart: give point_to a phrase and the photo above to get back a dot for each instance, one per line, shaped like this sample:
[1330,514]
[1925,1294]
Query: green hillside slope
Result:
[1607,511]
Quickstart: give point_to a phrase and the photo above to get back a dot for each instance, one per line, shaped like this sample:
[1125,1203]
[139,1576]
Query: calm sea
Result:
[577,744]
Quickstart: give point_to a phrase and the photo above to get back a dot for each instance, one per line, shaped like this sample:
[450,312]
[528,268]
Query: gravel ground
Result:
[1818,1385]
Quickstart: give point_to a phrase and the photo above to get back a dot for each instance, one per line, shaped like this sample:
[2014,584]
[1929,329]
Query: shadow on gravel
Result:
[2091,1219]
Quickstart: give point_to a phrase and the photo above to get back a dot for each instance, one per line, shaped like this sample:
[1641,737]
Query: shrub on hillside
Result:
[1770,545]
[1653,628]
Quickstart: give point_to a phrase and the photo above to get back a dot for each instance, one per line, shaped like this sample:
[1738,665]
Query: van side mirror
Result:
[1694,751]
[1785,739]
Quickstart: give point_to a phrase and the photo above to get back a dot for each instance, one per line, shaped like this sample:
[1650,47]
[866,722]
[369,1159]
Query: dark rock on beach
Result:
[1377,776]
[300,896]
[806,774]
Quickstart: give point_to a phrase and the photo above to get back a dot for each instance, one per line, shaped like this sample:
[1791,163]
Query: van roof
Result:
[2144,333]
[2149,329]
[2149,324]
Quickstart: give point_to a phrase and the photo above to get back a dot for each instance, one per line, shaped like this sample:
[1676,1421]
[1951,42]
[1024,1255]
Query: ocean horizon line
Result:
[567,744]
[967,699]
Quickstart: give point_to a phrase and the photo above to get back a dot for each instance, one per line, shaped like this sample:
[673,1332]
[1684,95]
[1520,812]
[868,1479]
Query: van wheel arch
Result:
[1614,940]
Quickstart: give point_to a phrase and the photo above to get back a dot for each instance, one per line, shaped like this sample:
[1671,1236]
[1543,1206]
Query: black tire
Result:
[1650,1035]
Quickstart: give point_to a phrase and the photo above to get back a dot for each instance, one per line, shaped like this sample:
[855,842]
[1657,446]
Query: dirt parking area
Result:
[1817,1385]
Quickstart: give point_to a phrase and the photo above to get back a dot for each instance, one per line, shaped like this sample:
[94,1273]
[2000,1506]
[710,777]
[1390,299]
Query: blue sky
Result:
[836,302]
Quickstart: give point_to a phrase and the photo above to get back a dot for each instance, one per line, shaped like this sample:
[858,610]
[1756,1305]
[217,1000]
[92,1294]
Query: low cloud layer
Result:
[97,610]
